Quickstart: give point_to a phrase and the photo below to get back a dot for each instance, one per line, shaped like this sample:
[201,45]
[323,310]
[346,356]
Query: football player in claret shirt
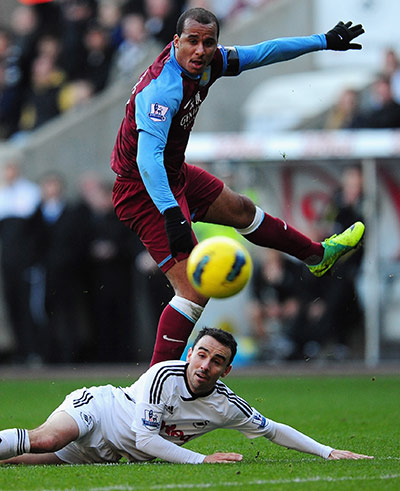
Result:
[157,194]
[169,405]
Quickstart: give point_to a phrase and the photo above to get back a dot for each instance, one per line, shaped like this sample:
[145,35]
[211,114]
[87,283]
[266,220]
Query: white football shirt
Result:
[157,414]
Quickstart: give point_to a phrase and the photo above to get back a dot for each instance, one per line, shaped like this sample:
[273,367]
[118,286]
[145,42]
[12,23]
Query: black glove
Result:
[340,36]
[178,231]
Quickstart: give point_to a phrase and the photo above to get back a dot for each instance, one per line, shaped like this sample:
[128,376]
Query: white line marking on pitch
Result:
[258,482]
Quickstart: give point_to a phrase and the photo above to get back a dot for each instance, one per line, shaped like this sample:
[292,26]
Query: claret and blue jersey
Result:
[161,111]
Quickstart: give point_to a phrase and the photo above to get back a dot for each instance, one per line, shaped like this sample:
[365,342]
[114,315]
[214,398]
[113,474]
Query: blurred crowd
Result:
[56,55]
[378,106]
[72,275]
[296,316]
[71,272]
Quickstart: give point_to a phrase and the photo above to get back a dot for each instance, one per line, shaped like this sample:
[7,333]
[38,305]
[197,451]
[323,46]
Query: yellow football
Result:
[219,267]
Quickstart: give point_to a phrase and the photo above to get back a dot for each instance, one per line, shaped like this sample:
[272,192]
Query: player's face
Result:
[195,47]
[208,361]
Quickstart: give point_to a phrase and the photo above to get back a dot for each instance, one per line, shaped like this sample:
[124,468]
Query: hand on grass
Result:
[346,454]
[222,458]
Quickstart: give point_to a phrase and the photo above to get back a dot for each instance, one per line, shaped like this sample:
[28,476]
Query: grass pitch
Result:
[359,413]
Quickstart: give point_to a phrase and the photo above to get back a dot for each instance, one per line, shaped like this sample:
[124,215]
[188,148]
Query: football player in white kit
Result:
[170,404]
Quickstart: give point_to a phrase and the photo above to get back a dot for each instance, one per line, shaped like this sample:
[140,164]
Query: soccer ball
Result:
[219,267]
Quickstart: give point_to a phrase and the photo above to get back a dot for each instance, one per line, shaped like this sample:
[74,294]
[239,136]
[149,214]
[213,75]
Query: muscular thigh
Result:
[231,209]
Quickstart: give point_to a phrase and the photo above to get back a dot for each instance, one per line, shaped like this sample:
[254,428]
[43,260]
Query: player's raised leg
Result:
[258,227]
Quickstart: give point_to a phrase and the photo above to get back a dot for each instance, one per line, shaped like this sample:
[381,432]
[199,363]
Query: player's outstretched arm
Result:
[223,458]
[346,454]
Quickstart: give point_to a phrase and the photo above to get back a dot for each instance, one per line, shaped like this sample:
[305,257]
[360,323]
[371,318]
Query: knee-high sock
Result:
[174,328]
[274,233]
[13,442]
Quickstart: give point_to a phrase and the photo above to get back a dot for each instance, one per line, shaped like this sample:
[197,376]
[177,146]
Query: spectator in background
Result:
[341,115]
[132,49]
[17,65]
[18,199]
[10,85]
[161,17]
[60,252]
[110,251]
[98,56]
[110,17]
[25,28]
[275,304]
[75,95]
[42,97]
[50,47]
[391,69]
[331,316]
[384,111]
[77,16]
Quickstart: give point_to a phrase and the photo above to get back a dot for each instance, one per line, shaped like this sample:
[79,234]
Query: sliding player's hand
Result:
[346,454]
[223,458]
[178,230]
[339,38]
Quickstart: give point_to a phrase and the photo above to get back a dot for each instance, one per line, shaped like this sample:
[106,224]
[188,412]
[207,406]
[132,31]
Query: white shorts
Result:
[85,407]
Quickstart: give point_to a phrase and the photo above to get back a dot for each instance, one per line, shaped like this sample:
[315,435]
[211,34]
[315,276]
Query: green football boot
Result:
[337,246]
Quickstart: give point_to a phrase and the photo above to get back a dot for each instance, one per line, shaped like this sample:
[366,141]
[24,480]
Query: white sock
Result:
[14,442]
[188,309]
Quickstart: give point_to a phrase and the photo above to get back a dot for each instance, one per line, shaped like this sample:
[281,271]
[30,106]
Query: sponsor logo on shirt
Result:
[192,108]
[259,420]
[200,424]
[171,431]
[157,112]
[151,419]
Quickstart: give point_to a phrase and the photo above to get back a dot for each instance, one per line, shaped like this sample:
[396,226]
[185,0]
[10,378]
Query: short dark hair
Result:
[221,336]
[200,15]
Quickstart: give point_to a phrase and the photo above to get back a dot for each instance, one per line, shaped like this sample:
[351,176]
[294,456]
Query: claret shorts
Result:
[134,207]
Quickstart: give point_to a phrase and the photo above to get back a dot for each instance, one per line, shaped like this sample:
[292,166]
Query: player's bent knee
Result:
[246,210]
[59,430]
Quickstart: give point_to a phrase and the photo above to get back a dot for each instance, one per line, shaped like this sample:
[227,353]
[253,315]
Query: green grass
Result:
[354,413]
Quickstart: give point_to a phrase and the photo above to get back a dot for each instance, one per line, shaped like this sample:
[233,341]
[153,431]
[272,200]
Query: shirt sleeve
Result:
[155,106]
[276,50]
[281,434]
[290,438]
[152,171]
[157,446]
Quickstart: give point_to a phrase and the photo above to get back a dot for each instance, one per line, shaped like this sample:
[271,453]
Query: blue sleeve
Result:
[158,102]
[151,167]
[155,106]
[277,50]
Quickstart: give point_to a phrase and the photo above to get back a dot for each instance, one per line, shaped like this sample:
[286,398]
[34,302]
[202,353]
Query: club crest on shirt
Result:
[157,112]
[151,419]
[259,420]
[87,419]
[205,78]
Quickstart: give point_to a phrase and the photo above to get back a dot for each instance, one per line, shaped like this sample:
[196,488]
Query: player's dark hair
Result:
[202,16]
[221,336]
